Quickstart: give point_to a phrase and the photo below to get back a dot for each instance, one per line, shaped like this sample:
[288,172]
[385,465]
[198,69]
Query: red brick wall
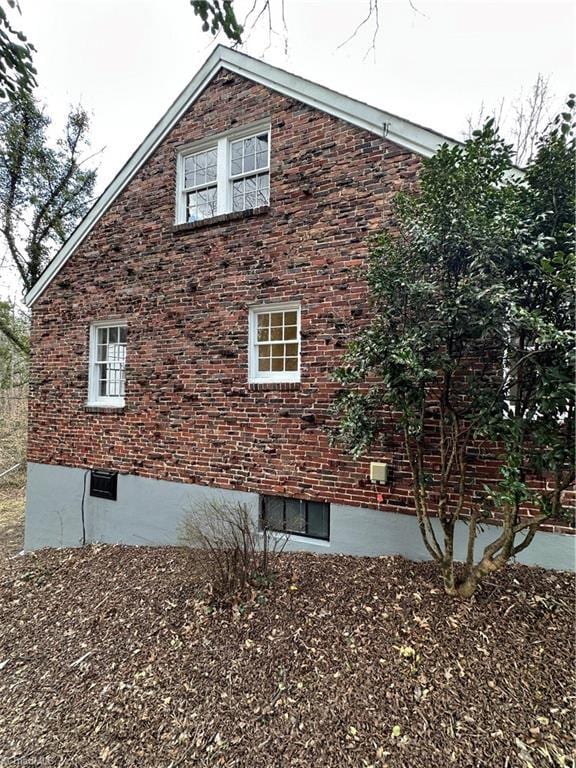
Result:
[190,414]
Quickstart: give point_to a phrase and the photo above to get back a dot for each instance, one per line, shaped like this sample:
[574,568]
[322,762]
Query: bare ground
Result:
[113,656]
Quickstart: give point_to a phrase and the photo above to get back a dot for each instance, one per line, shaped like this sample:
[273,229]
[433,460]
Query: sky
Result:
[430,61]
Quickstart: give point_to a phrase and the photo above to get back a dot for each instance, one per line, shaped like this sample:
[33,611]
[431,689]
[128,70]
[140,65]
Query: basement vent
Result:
[103,484]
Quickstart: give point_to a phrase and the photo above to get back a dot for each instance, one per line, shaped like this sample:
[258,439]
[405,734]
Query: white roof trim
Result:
[409,135]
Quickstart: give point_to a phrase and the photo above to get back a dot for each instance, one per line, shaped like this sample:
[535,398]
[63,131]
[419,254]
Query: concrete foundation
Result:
[151,512]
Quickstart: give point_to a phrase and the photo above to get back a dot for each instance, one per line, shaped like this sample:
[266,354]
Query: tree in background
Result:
[17,73]
[524,121]
[44,189]
[471,341]
[218,15]
[13,364]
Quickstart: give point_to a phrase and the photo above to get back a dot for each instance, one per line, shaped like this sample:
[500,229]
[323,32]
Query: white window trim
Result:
[272,377]
[221,143]
[94,399]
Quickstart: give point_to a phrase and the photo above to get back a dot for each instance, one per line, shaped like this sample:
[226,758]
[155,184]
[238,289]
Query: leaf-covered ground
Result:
[111,656]
[12,499]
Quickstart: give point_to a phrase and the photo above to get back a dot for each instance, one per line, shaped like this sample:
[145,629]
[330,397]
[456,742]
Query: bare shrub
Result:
[235,553]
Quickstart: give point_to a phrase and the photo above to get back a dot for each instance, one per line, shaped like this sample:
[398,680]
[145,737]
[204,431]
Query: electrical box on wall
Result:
[378,472]
[104,484]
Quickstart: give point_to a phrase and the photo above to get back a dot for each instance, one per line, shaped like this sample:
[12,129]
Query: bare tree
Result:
[44,189]
[523,120]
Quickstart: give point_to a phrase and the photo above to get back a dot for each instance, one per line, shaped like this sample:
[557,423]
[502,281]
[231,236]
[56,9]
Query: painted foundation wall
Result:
[151,512]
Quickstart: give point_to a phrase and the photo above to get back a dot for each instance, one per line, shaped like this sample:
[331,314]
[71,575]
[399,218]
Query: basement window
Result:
[106,379]
[274,343]
[228,173]
[296,516]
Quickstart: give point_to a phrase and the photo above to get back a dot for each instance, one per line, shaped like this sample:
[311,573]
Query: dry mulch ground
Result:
[12,499]
[112,656]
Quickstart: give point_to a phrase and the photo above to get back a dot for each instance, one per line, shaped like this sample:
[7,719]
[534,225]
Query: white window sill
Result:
[274,381]
[298,539]
[106,404]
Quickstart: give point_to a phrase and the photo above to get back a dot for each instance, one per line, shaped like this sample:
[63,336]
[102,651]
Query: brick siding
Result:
[190,413]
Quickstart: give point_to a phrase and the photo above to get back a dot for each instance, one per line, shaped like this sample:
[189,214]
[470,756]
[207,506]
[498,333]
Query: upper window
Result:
[231,173]
[107,364]
[274,342]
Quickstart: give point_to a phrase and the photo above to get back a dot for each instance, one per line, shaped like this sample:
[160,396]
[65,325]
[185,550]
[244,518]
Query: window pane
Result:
[277,318]
[249,146]
[290,332]
[274,513]
[291,364]
[123,330]
[263,319]
[277,349]
[250,200]
[102,335]
[291,350]
[295,520]
[264,357]
[249,163]
[263,334]
[278,364]
[236,167]
[317,519]
[262,142]
[276,334]
[202,204]
[261,159]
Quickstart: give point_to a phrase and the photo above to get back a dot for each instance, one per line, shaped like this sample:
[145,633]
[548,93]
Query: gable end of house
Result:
[404,133]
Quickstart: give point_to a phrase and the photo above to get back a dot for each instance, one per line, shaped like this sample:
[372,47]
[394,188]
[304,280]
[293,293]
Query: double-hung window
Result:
[274,343]
[106,378]
[229,173]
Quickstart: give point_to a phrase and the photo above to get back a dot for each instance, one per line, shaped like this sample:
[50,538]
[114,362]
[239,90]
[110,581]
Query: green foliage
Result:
[44,189]
[472,336]
[218,15]
[438,292]
[17,73]
[13,364]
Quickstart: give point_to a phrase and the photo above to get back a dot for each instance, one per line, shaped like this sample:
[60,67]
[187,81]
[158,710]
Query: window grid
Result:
[249,172]
[231,173]
[276,341]
[296,516]
[200,184]
[108,352]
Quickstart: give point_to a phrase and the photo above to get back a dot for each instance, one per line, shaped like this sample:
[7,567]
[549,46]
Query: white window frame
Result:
[271,377]
[224,178]
[94,398]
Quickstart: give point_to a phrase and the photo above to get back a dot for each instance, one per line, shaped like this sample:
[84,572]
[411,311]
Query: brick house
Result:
[184,336]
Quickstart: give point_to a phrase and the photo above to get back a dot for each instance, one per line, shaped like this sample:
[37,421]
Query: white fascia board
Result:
[399,131]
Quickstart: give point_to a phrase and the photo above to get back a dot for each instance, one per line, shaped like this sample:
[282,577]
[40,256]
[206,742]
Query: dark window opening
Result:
[300,517]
